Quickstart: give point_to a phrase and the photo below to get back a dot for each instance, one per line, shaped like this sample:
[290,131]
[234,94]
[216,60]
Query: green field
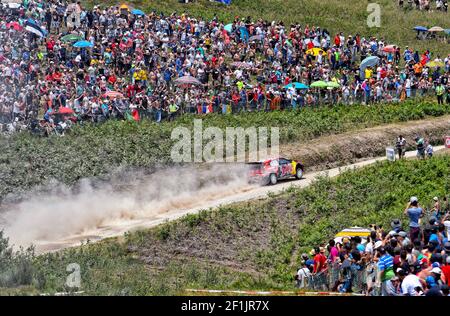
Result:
[251,245]
[98,150]
[349,16]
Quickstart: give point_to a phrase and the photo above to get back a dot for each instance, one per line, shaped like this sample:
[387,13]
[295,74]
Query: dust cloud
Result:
[60,211]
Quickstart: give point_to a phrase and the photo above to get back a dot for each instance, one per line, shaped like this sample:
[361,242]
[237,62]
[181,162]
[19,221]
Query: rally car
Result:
[271,170]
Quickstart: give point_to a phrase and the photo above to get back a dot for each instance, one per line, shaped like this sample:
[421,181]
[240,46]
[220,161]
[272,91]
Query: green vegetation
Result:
[251,245]
[97,150]
[349,17]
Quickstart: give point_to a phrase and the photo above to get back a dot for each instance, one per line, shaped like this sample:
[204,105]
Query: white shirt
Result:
[409,283]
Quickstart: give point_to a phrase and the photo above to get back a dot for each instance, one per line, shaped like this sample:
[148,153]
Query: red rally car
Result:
[272,170]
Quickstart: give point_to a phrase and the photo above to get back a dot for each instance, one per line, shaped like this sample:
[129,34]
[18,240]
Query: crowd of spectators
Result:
[410,260]
[241,66]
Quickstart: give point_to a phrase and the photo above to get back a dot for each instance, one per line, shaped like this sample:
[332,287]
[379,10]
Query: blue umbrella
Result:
[83,44]
[137,12]
[369,62]
[228,28]
[297,85]
[447,31]
[420,29]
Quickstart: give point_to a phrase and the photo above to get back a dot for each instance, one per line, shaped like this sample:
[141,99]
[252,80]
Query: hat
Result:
[413,199]
[436,270]
[312,252]
[436,198]
[322,249]
[402,234]
[430,280]
[396,224]
[447,246]
[393,233]
[436,265]
[378,244]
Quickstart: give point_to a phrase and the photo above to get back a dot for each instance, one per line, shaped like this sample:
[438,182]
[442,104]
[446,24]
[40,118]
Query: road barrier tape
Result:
[297,293]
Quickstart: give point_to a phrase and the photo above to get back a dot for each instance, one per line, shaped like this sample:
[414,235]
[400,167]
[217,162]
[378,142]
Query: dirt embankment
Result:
[338,150]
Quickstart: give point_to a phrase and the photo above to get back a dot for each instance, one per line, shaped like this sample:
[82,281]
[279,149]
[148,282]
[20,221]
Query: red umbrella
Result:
[65,110]
[113,95]
[389,49]
[15,25]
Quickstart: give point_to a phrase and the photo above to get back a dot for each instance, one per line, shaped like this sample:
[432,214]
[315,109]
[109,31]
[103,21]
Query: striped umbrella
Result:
[353,232]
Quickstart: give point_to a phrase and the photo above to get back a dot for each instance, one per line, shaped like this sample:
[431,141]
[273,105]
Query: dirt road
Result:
[246,192]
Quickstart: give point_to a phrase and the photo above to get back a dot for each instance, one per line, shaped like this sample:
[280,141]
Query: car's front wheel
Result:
[299,173]
[273,179]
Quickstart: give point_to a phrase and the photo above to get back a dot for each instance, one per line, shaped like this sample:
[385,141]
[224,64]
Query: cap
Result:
[436,270]
[378,244]
[402,234]
[436,198]
[447,246]
[413,199]
[393,233]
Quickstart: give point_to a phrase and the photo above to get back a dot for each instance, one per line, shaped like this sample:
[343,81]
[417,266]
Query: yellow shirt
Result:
[368,73]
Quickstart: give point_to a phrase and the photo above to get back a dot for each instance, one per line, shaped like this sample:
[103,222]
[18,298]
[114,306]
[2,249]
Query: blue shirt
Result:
[386,262]
[414,215]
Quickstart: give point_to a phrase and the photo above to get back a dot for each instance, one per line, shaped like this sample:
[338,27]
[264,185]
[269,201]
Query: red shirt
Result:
[319,263]
[446,272]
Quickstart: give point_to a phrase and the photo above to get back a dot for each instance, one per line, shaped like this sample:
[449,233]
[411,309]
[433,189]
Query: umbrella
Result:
[113,95]
[296,85]
[316,51]
[432,64]
[255,38]
[65,110]
[186,80]
[315,43]
[333,84]
[389,49]
[14,5]
[83,44]
[420,29]
[239,64]
[369,62]
[353,232]
[137,12]
[447,31]
[124,6]
[436,29]
[319,84]
[71,38]
[15,25]
[228,28]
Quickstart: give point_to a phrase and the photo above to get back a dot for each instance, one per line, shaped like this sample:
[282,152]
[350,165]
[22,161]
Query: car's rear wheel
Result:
[299,173]
[273,179]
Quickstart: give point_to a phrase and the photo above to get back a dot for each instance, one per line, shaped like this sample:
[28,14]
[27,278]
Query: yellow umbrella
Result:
[432,64]
[316,51]
[124,6]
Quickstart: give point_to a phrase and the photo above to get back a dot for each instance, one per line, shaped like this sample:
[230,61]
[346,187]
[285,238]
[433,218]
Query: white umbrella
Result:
[436,29]
[14,5]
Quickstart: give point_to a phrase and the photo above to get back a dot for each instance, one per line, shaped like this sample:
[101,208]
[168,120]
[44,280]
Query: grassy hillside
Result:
[349,16]
[251,245]
[91,151]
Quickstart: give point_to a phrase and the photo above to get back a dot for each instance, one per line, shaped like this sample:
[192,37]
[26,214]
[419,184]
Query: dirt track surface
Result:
[119,227]
[347,148]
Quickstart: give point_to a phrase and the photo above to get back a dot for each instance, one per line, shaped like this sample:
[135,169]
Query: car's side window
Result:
[274,163]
